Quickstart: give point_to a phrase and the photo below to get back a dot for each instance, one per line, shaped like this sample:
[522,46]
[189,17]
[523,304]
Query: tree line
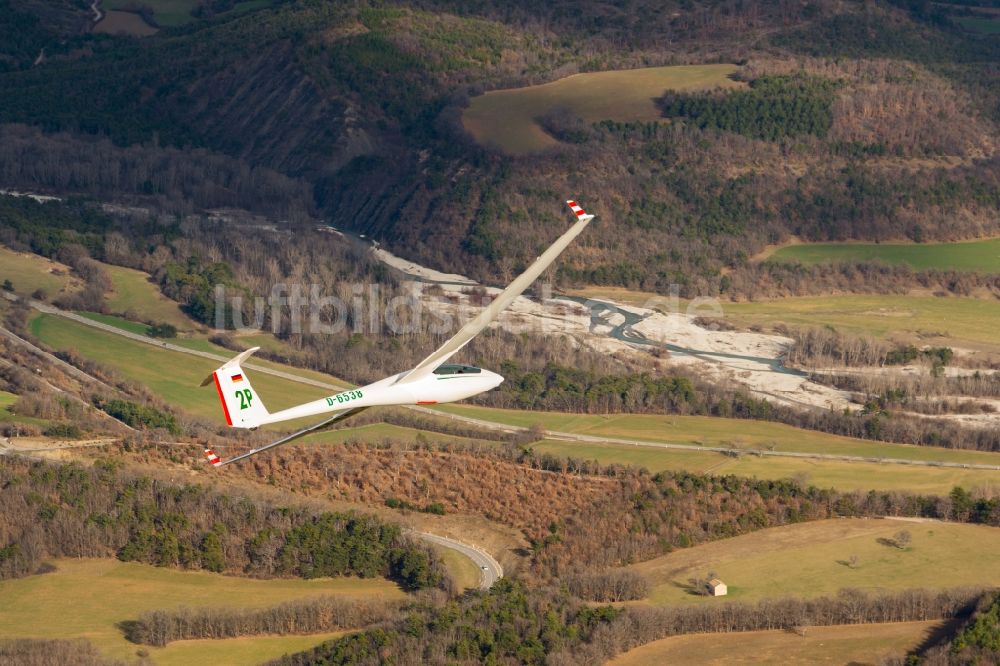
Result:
[312,615]
[975,641]
[53,652]
[513,623]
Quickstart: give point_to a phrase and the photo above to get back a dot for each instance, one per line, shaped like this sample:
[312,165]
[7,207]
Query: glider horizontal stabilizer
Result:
[215,461]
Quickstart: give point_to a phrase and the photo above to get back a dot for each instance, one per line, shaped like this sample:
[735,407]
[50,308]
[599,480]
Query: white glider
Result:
[433,380]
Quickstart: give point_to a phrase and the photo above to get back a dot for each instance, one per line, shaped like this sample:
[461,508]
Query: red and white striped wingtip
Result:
[575,207]
[212,458]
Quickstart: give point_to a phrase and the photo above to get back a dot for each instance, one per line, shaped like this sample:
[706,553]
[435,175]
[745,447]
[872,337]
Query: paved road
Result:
[490,570]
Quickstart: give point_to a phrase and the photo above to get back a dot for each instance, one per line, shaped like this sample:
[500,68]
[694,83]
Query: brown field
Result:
[28,272]
[506,118]
[124,23]
[850,644]
[88,598]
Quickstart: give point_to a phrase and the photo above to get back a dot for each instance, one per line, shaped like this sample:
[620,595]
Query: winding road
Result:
[490,570]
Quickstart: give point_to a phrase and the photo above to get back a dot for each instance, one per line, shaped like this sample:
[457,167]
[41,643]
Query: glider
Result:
[433,380]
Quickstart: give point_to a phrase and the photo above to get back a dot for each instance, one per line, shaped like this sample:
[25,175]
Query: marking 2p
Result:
[246,397]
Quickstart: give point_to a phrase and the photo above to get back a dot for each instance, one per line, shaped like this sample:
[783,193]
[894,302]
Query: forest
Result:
[67,510]
[887,110]
[773,108]
[975,641]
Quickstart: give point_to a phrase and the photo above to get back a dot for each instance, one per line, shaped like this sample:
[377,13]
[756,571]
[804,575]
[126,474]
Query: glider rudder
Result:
[241,405]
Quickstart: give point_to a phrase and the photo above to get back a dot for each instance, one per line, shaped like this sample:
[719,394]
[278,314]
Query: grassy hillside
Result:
[813,559]
[166,13]
[173,377]
[508,118]
[134,293]
[851,644]
[89,597]
[983,25]
[29,272]
[982,256]
[9,415]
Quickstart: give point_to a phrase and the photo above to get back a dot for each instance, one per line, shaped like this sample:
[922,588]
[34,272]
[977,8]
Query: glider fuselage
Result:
[449,383]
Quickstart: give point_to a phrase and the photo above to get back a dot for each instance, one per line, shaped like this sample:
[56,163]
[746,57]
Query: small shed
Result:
[717,588]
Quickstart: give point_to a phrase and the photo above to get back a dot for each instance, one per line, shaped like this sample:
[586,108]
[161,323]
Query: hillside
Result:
[773,358]
[890,136]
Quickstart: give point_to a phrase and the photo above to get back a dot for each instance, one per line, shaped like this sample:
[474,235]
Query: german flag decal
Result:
[237,378]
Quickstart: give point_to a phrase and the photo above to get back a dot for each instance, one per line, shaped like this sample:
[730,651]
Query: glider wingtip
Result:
[213,459]
[578,210]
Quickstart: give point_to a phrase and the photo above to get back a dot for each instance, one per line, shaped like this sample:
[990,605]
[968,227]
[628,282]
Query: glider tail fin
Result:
[241,404]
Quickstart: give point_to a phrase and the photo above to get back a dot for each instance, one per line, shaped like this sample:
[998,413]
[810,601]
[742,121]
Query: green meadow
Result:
[982,255]
[174,377]
[929,318]
[133,292]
